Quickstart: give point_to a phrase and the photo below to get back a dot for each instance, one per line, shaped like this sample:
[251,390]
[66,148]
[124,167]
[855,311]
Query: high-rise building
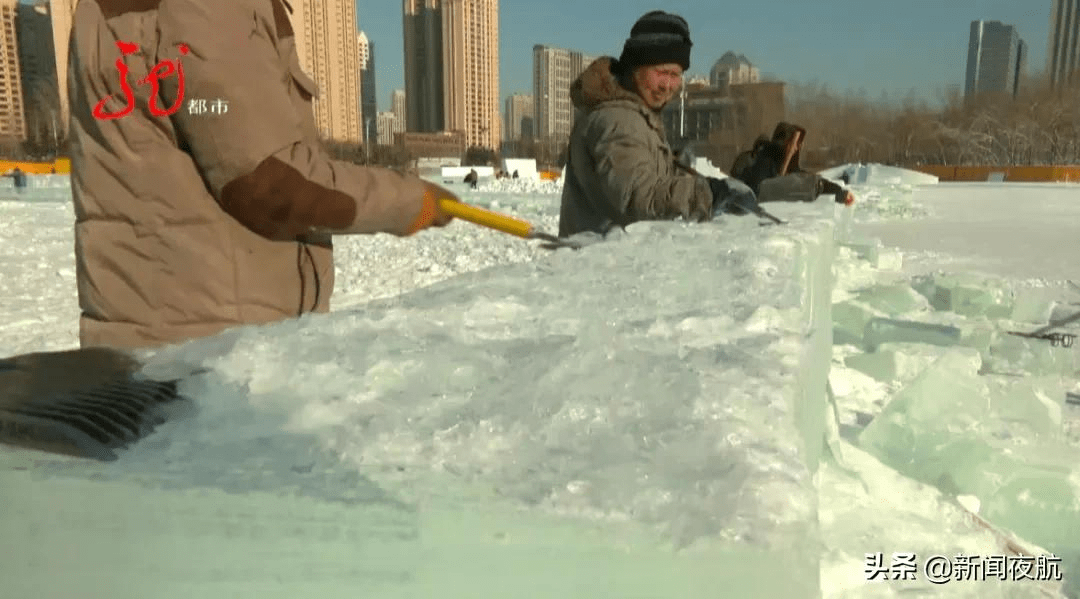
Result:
[363,47]
[452,68]
[368,96]
[554,69]
[12,118]
[398,105]
[422,33]
[1063,43]
[995,59]
[732,69]
[326,42]
[389,126]
[519,117]
[37,65]
[62,13]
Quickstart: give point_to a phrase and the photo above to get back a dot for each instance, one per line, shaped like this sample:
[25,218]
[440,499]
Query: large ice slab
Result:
[878,174]
[641,418]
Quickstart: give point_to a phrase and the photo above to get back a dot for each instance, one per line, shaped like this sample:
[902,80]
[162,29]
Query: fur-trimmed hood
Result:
[598,84]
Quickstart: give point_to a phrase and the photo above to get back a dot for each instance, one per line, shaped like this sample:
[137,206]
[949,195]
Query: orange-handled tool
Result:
[499,222]
[486,218]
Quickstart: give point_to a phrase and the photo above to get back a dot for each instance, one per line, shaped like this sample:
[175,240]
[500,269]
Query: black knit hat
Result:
[658,37]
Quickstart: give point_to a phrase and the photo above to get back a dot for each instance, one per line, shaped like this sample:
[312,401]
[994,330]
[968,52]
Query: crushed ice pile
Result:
[951,398]
[677,410]
[520,186]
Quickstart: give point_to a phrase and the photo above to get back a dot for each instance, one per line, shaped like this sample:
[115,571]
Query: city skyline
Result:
[923,47]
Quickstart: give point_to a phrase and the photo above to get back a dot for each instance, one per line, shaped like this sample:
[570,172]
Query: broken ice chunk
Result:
[1029,408]
[865,249]
[890,259]
[1033,492]
[1011,353]
[1031,305]
[894,300]
[1063,311]
[886,330]
[849,322]
[966,294]
[899,362]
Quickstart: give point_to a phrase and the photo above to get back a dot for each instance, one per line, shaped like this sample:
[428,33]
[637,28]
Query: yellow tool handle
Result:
[487,218]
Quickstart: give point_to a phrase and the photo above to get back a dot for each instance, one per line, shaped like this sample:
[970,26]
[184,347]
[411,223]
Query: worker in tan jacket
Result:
[202,198]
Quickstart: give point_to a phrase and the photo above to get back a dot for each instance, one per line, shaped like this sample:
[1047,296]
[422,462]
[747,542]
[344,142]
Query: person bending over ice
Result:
[620,168]
[771,169]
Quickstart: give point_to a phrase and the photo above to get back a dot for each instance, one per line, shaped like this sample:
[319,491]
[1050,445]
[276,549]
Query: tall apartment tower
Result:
[39,80]
[519,117]
[554,69]
[368,96]
[398,104]
[44,27]
[389,126]
[326,42]
[12,117]
[62,13]
[422,33]
[1063,42]
[996,58]
[452,68]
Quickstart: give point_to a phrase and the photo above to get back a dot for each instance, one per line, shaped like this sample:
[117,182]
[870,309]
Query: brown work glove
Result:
[430,214]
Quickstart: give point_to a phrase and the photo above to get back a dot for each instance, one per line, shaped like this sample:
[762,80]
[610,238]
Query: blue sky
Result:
[870,45]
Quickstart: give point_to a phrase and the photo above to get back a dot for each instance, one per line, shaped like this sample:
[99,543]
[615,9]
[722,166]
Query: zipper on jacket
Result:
[300,272]
[301,249]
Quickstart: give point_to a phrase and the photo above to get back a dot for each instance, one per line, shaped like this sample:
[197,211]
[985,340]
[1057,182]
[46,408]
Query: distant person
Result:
[771,169]
[198,221]
[620,169]
[18,177]
[515,174]
[472,178]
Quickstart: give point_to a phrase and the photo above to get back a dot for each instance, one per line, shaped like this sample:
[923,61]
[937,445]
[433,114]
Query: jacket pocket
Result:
[308,88]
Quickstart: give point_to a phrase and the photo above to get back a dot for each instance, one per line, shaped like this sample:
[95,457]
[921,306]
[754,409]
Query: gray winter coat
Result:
[620,168]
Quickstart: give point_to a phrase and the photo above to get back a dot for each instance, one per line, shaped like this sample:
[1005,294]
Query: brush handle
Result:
[486,218]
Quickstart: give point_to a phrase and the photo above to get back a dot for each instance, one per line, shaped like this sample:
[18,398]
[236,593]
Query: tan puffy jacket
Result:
[194,222]
[620,168]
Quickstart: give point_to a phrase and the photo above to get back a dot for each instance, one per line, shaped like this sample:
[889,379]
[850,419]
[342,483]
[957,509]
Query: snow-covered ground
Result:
[646,407]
